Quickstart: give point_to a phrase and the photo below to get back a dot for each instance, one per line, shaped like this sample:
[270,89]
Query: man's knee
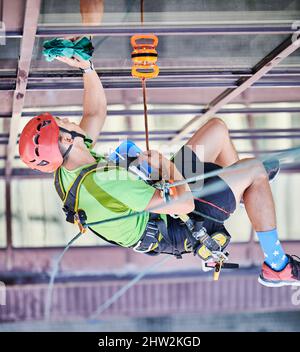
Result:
[218,124]
[258,170]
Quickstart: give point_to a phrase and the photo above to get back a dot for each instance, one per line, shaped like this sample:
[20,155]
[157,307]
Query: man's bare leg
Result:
[250,181]
[217,145]
[91,12]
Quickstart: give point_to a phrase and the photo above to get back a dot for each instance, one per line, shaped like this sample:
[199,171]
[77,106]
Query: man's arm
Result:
[94,105]
[94,99]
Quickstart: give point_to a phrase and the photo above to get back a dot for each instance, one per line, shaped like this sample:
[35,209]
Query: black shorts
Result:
[212,207]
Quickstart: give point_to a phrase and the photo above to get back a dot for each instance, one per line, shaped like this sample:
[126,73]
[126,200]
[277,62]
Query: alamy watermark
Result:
[2,294]
[296,296]
[154,164]
[2,33]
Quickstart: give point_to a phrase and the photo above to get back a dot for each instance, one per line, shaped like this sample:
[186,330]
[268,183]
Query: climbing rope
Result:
[210,189]
[144,58]
[125,288]
[287,154]
[48,302]
[145,114]
[142,12]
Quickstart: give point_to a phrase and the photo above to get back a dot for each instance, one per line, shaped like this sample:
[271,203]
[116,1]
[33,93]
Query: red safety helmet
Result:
[38,144]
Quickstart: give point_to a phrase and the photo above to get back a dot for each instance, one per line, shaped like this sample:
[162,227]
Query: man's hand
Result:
[74,62]
[152,157]
[158,162]
[168,171]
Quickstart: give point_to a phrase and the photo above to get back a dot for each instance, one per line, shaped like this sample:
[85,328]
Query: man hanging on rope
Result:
[50,144]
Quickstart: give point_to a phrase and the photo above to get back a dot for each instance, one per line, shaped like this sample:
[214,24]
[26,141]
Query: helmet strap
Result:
[74,134]
[66,153]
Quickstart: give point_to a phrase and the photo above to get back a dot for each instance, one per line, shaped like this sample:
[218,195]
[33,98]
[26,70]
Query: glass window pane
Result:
[292,61]
[209,51]
[209,12]
[286,193]
[9,53]
[239,226]
[38,219]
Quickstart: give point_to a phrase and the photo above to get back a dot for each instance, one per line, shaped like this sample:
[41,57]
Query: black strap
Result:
[162,227]
[70,199]
[103,238]
[74,134]
[69,206]
[58,185]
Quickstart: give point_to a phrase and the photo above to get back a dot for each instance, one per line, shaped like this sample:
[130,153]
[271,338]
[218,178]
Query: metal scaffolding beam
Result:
[167,140]
[181,72]
[126,30]
[160,111]
[120,72]
[238,29]
[31,15]
[165,135]
[8,223]
[265,65]
[122,78]
[246,131]
[159,83]
[32,10]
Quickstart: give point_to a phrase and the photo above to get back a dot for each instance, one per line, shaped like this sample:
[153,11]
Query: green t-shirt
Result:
[110,194]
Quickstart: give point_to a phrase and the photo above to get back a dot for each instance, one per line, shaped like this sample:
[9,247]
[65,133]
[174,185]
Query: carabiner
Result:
[80,220]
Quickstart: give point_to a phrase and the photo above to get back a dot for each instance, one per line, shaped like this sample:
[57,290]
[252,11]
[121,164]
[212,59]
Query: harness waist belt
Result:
[150,237]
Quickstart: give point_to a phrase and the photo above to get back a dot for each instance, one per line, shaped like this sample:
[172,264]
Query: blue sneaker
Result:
[272,167]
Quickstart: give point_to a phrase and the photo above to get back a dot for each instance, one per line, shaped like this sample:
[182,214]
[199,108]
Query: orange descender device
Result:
[144,56]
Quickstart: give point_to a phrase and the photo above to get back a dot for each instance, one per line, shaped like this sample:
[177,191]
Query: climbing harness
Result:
[70,198]
[152,235]
[168,188]
[155,230]
[209,247]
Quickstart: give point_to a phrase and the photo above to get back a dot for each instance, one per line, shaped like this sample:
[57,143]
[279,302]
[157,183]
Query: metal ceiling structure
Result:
[264,66]
[245,81]
[229,82]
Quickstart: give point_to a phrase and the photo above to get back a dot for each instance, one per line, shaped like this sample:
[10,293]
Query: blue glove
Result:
[129,150]
[82,47]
